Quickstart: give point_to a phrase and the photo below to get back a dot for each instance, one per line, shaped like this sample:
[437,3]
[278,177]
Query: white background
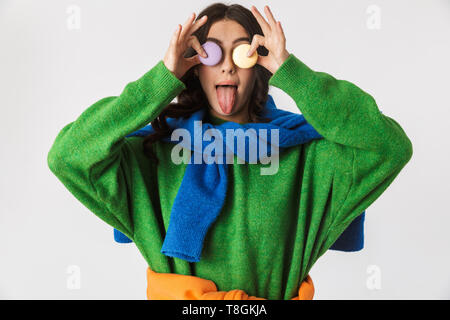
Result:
[50,73]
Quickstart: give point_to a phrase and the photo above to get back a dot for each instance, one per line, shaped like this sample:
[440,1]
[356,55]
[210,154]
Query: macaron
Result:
[214,53]
[240,56]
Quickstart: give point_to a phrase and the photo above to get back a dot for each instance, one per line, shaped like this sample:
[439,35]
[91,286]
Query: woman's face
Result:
[227,103]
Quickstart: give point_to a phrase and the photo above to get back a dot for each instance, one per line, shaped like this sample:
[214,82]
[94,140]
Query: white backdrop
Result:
[58,57]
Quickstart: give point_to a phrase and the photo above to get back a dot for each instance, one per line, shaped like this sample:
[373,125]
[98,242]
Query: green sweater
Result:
[272,228]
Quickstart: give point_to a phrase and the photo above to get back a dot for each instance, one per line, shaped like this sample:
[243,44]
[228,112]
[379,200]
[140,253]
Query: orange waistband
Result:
[171,286]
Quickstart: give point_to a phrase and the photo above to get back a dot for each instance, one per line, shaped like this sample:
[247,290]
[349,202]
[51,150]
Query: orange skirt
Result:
[171,286]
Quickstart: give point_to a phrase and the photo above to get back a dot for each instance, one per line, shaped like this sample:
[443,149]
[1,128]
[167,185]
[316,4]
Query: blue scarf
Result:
[204,185]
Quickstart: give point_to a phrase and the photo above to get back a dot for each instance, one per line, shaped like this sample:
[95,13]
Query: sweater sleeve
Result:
[371,148]
[92,157]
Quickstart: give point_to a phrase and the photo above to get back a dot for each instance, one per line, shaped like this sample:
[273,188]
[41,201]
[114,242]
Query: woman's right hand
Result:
[181,40]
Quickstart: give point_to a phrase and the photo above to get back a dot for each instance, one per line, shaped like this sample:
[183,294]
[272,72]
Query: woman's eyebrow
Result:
[234,41]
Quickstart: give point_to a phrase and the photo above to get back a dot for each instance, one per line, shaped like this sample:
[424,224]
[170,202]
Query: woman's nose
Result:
[228,64]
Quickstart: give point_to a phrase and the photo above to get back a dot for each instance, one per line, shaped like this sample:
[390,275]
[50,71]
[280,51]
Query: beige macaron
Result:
[240,56]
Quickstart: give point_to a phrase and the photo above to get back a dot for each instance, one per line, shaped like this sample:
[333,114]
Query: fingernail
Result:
[248,53]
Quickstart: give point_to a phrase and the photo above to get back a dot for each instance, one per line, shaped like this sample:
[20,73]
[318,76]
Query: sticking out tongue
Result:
[226,96]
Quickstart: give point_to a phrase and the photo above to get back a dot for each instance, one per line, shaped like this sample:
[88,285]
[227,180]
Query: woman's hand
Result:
[273,39]
[182,39]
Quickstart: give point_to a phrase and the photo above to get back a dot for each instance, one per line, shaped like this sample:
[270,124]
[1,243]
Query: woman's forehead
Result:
[227,31]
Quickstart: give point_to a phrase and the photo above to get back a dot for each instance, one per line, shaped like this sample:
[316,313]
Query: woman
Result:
[271,228]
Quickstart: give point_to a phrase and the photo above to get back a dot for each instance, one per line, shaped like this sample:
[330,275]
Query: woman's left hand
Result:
[273,39]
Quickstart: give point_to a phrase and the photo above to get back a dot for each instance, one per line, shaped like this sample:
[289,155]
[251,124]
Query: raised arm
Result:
[91,155]
[371,148]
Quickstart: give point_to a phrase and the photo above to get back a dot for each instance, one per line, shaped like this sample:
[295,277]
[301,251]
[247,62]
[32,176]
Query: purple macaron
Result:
[214,53]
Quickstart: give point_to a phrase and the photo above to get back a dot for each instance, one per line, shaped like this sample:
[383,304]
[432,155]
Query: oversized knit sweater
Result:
[272,228]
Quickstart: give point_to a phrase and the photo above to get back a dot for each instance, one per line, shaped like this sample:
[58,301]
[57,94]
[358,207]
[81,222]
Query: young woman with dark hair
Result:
[226,231]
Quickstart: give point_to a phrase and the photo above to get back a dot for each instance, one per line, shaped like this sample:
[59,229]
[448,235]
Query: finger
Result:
[192,61]
[198,24]
[280,29]
[270,17]
[262,22]
[176,35]
[194,43]
[258,40]
[186,26]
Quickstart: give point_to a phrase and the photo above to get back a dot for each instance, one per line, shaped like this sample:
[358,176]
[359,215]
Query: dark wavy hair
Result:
[193,97]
